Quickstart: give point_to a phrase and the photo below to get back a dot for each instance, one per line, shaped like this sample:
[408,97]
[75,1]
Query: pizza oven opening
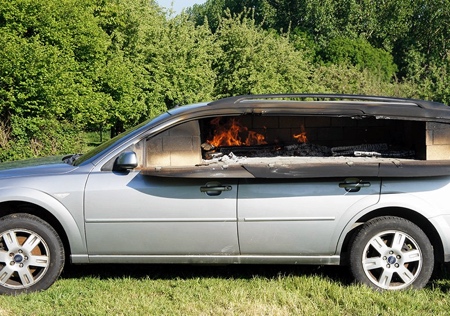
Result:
[312,136]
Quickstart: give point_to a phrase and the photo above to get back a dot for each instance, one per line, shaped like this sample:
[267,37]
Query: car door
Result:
[298,217]
[128,213]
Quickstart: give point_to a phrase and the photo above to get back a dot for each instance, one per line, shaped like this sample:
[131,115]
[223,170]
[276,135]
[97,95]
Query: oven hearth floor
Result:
[304,167]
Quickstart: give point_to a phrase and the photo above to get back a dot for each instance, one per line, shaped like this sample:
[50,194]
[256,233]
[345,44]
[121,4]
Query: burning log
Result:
[372,150]
[410,154]
[350,150]
[207,146]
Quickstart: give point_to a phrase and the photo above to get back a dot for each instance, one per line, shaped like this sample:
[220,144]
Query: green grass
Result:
[221,290]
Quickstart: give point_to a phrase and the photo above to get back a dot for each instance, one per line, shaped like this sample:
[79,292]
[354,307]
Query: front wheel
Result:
[391,253]
[31,254]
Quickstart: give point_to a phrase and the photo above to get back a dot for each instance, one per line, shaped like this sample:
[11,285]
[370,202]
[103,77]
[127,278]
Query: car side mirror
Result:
[126,161]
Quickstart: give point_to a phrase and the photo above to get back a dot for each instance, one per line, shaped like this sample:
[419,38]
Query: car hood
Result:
[34,167]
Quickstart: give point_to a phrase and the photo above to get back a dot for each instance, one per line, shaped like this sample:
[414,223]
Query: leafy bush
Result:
[254,61]
[46,138]
[359,53]
[350,80]
[430,77]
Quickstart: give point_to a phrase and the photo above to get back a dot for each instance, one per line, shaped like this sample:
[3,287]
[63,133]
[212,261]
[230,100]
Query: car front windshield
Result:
[105,145]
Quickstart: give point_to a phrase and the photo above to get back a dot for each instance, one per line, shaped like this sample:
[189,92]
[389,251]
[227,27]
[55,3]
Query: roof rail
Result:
[242,98]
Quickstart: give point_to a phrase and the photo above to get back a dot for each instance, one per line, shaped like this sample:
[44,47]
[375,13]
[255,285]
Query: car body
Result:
[154,194]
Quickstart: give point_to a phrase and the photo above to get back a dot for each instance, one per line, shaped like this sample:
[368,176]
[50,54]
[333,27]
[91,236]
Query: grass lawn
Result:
[222,290]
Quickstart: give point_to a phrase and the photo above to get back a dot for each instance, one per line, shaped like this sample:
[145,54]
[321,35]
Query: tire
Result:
[391,253]
[31,254]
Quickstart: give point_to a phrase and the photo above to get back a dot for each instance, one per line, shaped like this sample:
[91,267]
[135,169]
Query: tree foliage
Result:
[410,39]
[359,53]
[38,78]
[248,63]
[181,72]
[69,66]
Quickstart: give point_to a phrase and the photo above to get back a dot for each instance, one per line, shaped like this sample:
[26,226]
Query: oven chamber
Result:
[300,146]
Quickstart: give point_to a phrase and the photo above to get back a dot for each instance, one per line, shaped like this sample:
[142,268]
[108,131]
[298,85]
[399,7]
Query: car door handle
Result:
[215,188]
[354,185]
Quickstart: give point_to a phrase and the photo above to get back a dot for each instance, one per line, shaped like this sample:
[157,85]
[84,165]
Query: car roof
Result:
[298,97]
[323,104]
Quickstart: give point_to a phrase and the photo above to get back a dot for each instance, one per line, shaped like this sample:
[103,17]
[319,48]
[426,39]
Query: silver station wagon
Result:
[319,179]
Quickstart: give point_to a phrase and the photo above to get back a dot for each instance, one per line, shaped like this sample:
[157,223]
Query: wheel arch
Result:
[50,210]
[421,221]
[20,207]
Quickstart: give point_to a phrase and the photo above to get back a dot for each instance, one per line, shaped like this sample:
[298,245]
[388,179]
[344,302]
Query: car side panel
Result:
[428,196]
[133,214]
[278,217]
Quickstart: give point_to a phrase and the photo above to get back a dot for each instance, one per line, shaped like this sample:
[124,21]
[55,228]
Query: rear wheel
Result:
[391,253]
[31,254]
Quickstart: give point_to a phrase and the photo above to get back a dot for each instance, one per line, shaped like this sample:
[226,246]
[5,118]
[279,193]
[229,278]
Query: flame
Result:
[233,133]
[301,137]
[255,138]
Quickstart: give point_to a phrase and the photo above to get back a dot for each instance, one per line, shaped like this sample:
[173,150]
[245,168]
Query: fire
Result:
[255,138]
[301,137]
[233,133]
